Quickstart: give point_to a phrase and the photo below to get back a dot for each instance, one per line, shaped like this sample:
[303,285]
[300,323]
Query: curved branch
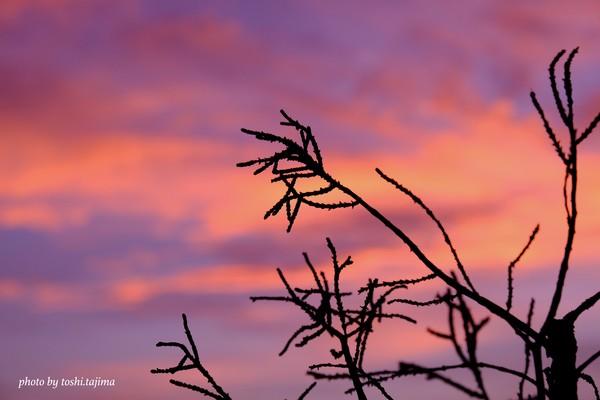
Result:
[586,305]
[590,360]
[431,215]
[514,263]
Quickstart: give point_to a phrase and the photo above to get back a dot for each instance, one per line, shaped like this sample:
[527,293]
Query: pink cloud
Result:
[120,173]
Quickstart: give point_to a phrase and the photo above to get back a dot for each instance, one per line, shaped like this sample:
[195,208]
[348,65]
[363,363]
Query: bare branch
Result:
[195,363]
[589,129]
[568,87]
[589,361]
[586,305]
[432,216]
[307,391]
[549,131]
[514,263]
[591,381]
[528,352]
[557,99]
[438,300]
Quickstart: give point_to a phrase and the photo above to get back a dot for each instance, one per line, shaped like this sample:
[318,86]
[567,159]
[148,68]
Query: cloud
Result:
[120,132]
[119,172]
[181,185]
[197,34]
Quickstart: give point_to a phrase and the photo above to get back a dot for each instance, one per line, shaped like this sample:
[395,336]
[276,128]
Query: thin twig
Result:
[514,263]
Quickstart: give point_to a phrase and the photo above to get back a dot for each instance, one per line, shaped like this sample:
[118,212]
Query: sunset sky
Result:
[121,206]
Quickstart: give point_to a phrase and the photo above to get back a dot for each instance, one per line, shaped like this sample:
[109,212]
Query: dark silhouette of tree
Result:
[325,305]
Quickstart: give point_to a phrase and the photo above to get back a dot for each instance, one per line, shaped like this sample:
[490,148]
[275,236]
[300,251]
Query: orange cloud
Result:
[165,177]
[492,159]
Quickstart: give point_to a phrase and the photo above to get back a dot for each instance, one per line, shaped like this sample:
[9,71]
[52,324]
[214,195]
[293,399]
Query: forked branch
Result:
[191,360]
[328,314]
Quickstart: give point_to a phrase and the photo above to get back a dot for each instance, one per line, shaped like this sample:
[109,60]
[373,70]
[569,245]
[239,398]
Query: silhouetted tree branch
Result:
[316,170]
[512,265]
[299,166]
[328,314]
[191,354]
[560,343]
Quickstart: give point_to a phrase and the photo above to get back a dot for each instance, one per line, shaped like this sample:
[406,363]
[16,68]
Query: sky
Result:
[121,206]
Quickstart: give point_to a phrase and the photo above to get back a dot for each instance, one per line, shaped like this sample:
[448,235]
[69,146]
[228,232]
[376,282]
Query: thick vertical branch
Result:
[570,192]
[562,349]
[571,209]
[561,343]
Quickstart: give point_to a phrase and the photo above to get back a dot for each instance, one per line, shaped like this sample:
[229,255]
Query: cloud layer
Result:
[121,206]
